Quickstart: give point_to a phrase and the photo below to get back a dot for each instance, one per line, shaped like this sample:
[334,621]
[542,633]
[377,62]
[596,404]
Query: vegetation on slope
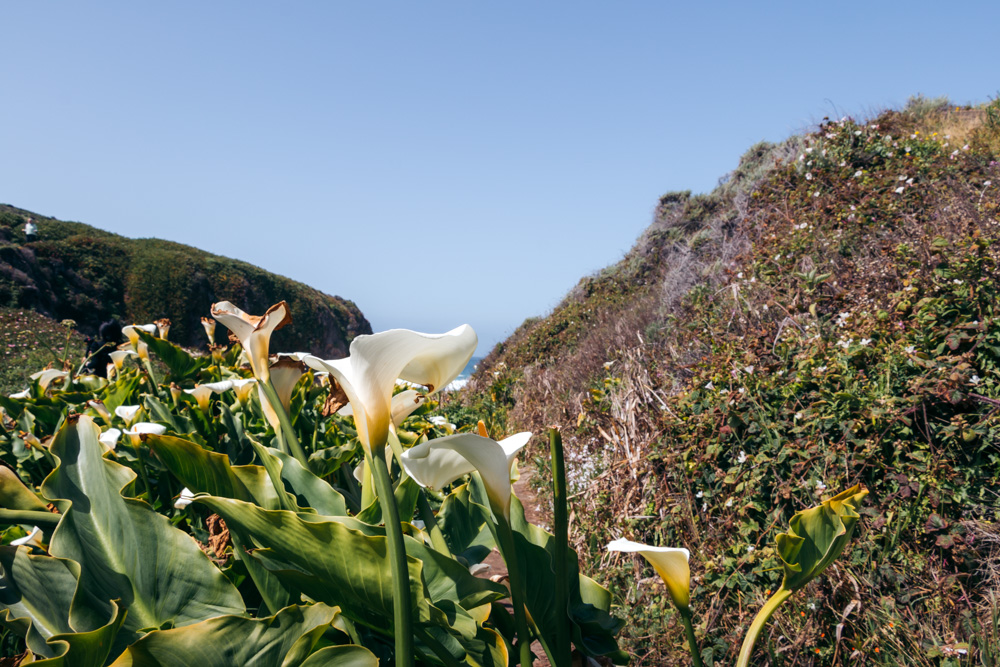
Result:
[75,271]
[823,318]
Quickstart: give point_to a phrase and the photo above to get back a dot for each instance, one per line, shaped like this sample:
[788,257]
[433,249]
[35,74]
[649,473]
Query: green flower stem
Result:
[402,616]
[288,437]
[137,447]
[692,642]
[367,489]
[430,521]
[517,589]
[560,528]
[758,624]
[32,517]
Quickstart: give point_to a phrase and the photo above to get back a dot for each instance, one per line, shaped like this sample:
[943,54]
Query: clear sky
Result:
[438,162]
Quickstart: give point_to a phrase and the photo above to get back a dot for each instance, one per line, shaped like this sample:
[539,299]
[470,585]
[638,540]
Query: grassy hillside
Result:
[827,316]
[75,271]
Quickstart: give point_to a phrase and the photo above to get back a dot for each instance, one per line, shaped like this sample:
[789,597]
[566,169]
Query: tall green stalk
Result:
[517,588]
[288,436]
[560,529]
[758,625]
[692,642]
[402,614]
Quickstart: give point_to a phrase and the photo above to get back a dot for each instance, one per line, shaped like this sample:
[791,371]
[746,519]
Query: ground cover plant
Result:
[826,317]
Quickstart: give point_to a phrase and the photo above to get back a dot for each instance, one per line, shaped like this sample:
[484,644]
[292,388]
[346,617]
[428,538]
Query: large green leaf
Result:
[341,656]
[464,526]
[120,392]
[40,602]
[343,562]
[15,495]
[285,639]
[182,365]
[126,551]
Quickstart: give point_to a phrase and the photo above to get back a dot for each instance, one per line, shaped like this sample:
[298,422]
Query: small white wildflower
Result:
[816,194]
[743,390]
[798,415]
[975,379]
[750,549]
[965,147]
[780,373]
[909,349]
[858,173]
[864,342]
[857,133]
[820,486]
[699,495]
[986,184]
[902,177]
[777,257]
[740,275]
[812,606]
[809,176]
[742,458]
[729,503]
[748,370]
[821,369]
[909,181]
[704,507]
[957,281]
[899,190]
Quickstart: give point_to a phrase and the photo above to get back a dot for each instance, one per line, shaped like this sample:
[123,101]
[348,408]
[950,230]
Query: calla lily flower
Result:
[127,413]
[101,409]
[203,392]
[369,374]
[21,395]
[670,563]
[133,337]
[142,349]
[254,332]
[32,539]
[184,499]
[144,428]
[209,324]
[285,374]
[403,405]
[164,326]
[437,463]
[243,387]
[46,377]
[119,356]
[110,438]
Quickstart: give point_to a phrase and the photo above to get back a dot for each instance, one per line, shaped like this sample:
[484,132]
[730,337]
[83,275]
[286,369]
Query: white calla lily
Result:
[46,377]
[119,357]
[376,361]
[32,539]
[142,349]
[133,337]
[437,463]
[669,562]
[254,332]
[403,405]
[203,392]
[184,499]
[163,325]
[127,413]
[243,387]
[110,438]
[21,395]
[209,324]
[285,374]
[101,409]
[144,428]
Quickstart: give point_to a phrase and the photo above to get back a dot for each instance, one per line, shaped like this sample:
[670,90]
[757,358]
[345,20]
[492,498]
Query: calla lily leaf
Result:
[817,536]
[182,366]
[283,639]
[125,550]
[15,495]
[669,562]
[369,374]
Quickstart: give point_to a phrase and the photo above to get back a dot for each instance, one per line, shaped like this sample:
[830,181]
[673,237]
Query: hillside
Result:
[75,271]
[827,316]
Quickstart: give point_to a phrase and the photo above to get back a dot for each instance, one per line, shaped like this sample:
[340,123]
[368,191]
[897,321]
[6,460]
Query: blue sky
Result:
[438,162]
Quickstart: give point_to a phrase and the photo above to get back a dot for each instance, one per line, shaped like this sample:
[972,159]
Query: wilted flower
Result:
[285,374]
[209,325]
[164,326]
[254,332]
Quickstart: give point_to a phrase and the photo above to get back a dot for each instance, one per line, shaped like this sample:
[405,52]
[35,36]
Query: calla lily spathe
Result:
[669,562]
[144,428]
[46,377]
[285,374]
[32,539]
[243,387]
[203,392]
[163,326]
[209,325]
[101,409]
[254,332]
[133,337]
[110,438]
[127,413]
[369,374]
[119,357]
[184,499]
[437,463]
[403,405]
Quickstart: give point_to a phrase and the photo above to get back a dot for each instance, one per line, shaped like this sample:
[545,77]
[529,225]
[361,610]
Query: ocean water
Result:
[464,376]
